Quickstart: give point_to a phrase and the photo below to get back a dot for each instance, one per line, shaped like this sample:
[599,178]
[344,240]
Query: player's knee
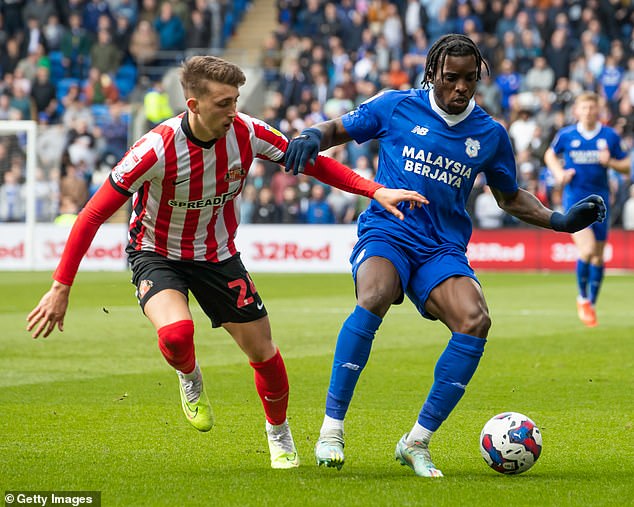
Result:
[177,336]
[476,323]
[376,300]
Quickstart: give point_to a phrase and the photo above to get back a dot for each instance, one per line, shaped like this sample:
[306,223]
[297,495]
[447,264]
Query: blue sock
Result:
[454,369]
[595,278]
[351,355]
[583,273]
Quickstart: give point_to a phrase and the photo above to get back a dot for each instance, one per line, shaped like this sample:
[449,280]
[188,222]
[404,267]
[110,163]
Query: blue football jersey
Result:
[582,155]
[420,150]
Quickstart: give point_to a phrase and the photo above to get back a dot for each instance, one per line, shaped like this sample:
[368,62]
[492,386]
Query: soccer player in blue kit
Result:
[588,149]
[434,140]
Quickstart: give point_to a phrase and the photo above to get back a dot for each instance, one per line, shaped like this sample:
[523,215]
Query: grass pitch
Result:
[97,407]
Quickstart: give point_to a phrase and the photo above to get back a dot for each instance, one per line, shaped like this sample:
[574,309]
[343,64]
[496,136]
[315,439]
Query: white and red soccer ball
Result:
[510,443]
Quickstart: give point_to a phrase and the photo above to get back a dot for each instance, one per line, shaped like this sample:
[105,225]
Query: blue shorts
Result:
[600,229]
[420,272]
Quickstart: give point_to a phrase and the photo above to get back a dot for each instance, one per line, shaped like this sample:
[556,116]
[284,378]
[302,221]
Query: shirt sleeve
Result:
[558,144]
[270,143]
[136,166]
[366,122]
[616,148]
[334,173]
[502,172]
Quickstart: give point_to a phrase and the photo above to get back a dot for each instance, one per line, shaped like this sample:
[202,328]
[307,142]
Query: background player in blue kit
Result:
[434,140]
[588,149]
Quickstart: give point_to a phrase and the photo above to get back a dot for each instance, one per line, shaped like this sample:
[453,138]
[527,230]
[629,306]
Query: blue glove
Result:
[304,148]
[580,215]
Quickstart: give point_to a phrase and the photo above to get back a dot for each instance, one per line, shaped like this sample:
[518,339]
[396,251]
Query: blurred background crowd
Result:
[83,68]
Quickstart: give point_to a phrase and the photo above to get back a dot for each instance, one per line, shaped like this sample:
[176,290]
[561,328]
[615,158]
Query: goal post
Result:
[29,128]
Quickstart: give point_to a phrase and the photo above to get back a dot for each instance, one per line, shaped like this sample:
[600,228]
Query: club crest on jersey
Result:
[472,147]
[144,287]
[235,173]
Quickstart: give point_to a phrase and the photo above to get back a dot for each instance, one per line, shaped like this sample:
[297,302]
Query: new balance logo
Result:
[421,131]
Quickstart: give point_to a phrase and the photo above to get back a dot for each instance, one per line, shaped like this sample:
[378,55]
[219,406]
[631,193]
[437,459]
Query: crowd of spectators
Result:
[75,67]
[327,57]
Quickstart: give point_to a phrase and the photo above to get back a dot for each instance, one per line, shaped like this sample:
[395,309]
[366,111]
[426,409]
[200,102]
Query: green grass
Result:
[97,408]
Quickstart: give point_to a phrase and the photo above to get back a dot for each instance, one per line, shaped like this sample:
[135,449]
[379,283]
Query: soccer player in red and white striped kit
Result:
[183,177]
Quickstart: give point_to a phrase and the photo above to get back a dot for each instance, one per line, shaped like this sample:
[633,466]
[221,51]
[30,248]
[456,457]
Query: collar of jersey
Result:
[190,135]
[450,119]
[588,134]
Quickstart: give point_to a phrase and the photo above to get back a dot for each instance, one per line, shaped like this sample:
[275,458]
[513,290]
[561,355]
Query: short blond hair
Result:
[198,70]
[587,96]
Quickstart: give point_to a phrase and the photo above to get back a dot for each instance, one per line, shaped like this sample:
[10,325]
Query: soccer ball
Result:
[510,443]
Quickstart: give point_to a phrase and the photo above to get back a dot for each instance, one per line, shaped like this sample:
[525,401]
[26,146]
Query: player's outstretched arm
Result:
[51,309]
[334,173]
[526,207]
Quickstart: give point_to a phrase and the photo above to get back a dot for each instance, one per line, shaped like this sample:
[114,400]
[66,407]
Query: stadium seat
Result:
[63,85]
[125,79]
[57,70]
[101,114]
[228,27]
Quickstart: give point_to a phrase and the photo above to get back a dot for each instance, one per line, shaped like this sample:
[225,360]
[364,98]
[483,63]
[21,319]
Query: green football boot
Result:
[417,457]
[195,402]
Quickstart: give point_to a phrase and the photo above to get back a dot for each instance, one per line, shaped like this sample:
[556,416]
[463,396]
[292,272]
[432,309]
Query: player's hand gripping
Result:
[580,215]
[389,198]
[302,149]
[50,311]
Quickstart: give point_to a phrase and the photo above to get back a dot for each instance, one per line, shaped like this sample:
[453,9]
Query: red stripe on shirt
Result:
[197,167]
[161,228]
[137,230]
[221,188]
[269,136]
[243,137]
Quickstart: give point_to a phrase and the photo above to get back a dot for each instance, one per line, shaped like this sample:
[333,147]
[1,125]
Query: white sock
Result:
[331,424]
[276,428]
[192,375]
[419,434]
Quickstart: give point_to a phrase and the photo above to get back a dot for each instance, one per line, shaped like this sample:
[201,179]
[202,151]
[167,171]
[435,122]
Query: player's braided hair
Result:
[453,44]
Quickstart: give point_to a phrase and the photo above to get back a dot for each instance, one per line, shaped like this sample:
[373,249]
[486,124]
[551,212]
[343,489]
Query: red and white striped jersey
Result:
[184,205]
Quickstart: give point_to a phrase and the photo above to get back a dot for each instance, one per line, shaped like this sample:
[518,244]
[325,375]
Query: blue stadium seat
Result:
[228,27]
[57,70]
[101,114]
[125,79]
[64,85]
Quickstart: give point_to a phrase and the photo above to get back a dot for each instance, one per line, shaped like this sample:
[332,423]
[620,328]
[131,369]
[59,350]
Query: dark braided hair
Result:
[452,44]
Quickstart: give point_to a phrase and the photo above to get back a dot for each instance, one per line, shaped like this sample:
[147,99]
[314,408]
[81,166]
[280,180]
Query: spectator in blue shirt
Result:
[319,211]
[170,29]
